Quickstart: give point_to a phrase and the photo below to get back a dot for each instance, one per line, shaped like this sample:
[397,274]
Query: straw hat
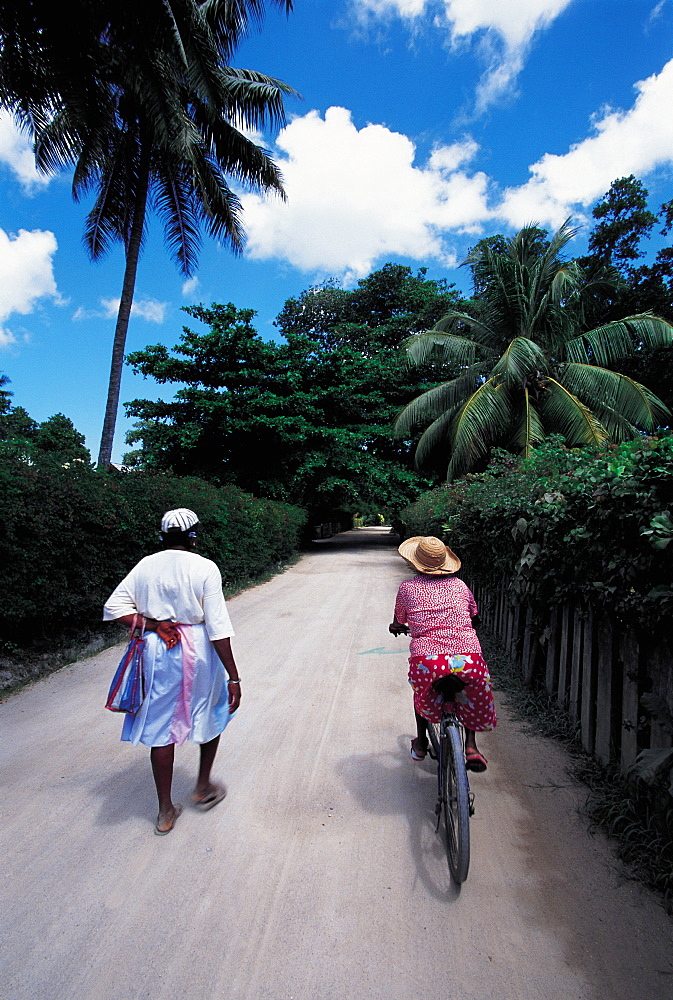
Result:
[429,555]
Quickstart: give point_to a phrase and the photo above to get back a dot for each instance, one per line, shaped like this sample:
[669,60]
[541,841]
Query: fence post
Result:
[629,652]
[604,709]
[659,667]
[588,687]
[564,656]
[514,634]
[498,611]
[502,629]
[527,652]
[576,666]
[551,666]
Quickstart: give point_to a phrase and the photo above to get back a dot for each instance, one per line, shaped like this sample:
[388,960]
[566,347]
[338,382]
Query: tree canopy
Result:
[305,419]
[151,115]
[53,442]
[530,365]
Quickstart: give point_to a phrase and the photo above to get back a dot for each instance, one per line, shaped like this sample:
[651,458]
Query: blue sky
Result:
[423,126]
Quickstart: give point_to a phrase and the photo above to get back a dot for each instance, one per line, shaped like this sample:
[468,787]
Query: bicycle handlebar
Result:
[397,630]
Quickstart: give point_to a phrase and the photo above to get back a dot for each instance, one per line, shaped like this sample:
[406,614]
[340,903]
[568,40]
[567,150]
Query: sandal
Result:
[205,802]
[161,832]
[416,752]
[475,761]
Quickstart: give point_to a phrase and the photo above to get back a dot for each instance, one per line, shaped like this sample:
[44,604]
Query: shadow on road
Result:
[384,784]
[357,538]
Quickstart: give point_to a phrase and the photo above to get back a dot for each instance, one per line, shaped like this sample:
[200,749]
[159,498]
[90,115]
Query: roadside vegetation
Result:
[69,533]
[567,523]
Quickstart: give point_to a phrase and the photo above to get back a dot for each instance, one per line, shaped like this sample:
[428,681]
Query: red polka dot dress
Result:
[439,612]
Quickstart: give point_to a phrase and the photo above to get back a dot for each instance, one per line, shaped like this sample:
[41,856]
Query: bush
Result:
[68,536]
[567,524]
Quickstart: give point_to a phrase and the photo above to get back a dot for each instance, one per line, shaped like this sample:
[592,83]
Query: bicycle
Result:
[455,801]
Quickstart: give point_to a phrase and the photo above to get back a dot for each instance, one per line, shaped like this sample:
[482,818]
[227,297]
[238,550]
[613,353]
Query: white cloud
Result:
[502,29]
[381,8]
[189,287]
[148,309]
[356,195]
[657,11]
[16,152]
[636,141]
[26,275]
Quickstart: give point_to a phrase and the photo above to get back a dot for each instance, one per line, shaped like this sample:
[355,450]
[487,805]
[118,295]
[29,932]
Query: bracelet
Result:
[237,681]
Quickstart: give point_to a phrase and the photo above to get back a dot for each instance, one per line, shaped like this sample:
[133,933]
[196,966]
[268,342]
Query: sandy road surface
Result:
[320,876]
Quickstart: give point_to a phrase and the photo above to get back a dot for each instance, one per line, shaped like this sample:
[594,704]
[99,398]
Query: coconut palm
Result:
[529,366]
[158,125]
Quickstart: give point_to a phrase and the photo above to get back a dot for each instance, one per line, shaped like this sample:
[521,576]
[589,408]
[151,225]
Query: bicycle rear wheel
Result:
[433,736]
[455,802]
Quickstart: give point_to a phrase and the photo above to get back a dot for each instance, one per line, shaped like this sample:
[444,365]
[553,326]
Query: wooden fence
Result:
[616,684]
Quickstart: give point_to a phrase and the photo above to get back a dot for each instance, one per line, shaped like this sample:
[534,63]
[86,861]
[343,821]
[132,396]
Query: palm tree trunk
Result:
[121,329]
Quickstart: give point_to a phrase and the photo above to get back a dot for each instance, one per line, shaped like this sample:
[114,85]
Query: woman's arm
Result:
[165,630]
[226,655]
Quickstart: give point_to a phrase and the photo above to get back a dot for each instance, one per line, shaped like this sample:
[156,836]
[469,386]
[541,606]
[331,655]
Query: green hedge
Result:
[67,536]
[567,523]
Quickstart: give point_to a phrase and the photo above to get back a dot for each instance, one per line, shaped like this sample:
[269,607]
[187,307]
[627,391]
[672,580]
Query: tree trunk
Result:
[121,329]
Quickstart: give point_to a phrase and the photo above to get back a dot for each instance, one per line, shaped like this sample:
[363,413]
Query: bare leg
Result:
[162,768]
[421,729]
[471,740]
[204,785]
[474,759]
[420,744]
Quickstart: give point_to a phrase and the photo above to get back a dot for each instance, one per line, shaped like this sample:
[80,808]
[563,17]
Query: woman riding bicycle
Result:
[439,609]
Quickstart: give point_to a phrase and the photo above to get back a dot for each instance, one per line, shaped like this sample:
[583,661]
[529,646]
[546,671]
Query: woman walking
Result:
[178,595]
[439,609]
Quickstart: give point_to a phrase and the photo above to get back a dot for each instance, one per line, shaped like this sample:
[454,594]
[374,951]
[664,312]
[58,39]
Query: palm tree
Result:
[529,366]
[158,124]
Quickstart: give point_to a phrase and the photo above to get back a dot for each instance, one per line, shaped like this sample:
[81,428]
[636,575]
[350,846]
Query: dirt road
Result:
[320,876]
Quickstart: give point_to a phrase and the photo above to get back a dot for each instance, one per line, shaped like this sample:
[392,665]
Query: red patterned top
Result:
[439,612]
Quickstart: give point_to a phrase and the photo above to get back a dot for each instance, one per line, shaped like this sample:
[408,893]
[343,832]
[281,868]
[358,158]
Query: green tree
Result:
[5,394]
[384,309]
[289,420]
[624,220]
[155,118]
[530,365]
[53,442]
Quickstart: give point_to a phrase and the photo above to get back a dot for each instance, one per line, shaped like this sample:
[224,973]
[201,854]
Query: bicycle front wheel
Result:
[455,803]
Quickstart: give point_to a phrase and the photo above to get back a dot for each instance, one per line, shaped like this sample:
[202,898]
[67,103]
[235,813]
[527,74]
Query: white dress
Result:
[186,695]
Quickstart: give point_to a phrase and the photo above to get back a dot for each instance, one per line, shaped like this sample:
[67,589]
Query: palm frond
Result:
[175,204]
[433,403]
[483,419]
[529,430]
[462,324]
[618,427]
[563,413]
[607,344]
[111,218]
[422,348]
[522,358]
[436,440]
[563,235]
[632,401]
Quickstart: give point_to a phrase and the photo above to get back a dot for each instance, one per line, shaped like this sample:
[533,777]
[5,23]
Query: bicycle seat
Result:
[448,686]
